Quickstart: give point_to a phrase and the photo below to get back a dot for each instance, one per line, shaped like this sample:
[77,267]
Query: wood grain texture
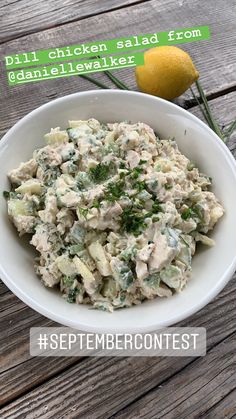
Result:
[192,392]
[3,288]
[84,383]
[224,111]
[225,408]
[212,57]
[34,16]
[123,387]
[82,392]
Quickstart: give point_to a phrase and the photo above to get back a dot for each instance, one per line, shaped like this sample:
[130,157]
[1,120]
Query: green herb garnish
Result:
[100,173]
[136,172]
[6,194]
[187,213]
[68,280]
[140,186]
[156,207]
[71,297]
[114,190]
[190,166]
[142,162]
[132,222]
[168,186]
[96,203]
[122,165]
[83,212]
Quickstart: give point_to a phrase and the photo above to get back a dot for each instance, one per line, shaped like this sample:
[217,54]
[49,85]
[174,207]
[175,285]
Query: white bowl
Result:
[212,268]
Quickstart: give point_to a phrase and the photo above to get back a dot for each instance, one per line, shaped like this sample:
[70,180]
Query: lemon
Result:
[167,72]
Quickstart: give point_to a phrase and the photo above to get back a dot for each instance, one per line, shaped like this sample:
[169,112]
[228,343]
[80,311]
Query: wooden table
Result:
[118,387]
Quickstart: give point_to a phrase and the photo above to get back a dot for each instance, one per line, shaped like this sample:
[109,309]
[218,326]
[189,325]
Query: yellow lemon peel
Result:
[167,72]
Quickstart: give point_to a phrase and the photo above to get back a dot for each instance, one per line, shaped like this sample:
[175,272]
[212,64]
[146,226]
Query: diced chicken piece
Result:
[48,215]
[49,156]
[114,211]
[133,158]
[24,223]
[46,238]
[145,253]
[162,254]
[186,226]
[65,220]
[94,193]
[110,137]
[147,129]
[40,173]
[145,155]
[141,270]
[70,199]
[67,151]
[163,291]
[64,182]
[50,274]
[24,172]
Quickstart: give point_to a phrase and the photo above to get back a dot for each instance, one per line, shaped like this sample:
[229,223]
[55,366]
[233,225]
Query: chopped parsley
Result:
[190,166]
[168,186]
[122,165]
[71,297]
[68,280]
[96,203]
[132,222]
[156,207]
[194,211]
[140,185]
[114,191]
[6,194]
[83,212]
[136,172]
[142,162]
[187,213]
[100,173]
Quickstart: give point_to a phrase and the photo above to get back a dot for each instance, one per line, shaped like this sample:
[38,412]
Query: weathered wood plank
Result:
[84,381]
[225,408]
[8,306]
[194,390]
[3,288]
[224,111]
[215,59]
[23,17]
[84,385]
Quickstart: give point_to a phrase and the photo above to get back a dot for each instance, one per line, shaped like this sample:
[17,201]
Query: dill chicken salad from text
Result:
[114,212]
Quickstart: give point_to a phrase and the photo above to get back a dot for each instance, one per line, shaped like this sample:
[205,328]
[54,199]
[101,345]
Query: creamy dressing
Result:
[114,212]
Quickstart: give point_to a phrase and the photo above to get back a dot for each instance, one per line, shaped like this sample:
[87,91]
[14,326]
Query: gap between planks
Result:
[119,411]
[194,321]
[166,380]
[69,20]
[190,103]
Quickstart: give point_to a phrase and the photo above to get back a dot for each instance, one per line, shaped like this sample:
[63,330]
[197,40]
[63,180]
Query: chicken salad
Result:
[114,211]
